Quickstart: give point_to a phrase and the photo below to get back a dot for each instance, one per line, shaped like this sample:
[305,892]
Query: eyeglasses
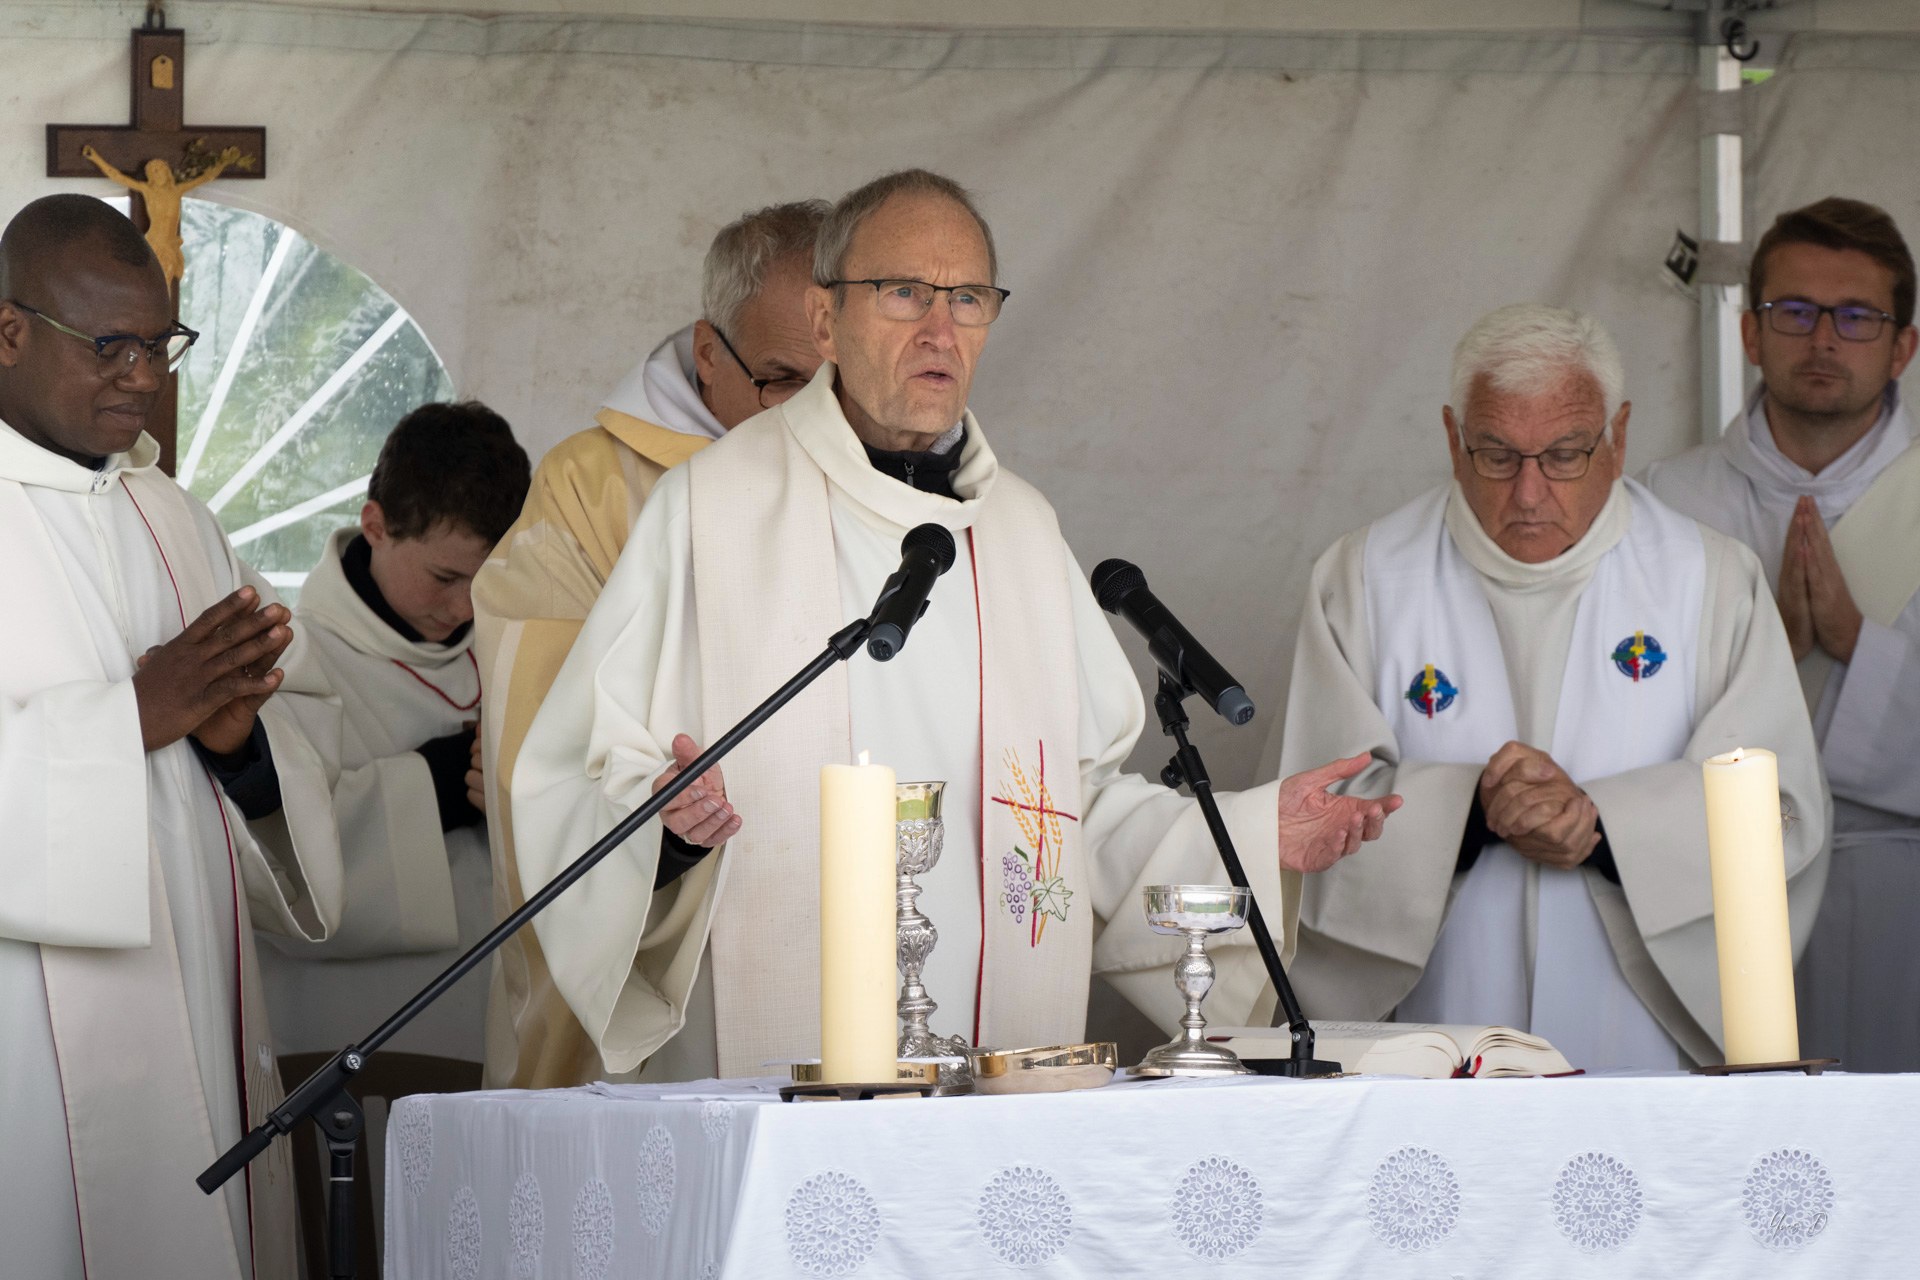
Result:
[971,305]
[772,391]
[1798,319]
[118,351]
[1555,464]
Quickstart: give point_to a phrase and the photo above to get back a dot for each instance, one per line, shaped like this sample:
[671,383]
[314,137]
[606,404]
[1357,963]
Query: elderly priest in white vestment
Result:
[1820,476]
[1013,690]
[1539,655]
[159,800]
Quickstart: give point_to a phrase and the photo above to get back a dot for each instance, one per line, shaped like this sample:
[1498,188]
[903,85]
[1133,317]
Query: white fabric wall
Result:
[1238,263]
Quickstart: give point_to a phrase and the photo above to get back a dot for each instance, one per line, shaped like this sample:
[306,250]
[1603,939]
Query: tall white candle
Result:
[859,1023]
[1749,867]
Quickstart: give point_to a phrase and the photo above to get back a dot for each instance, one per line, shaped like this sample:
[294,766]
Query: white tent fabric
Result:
[1238,262]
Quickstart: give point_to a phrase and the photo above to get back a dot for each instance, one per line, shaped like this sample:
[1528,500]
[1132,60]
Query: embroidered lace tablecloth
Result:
[1601,1176]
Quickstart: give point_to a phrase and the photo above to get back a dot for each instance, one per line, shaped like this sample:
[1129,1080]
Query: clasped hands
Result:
[210,681]
[1815,604]
[1533,805]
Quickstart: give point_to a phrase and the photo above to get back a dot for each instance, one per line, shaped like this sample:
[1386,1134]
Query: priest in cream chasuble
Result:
[161,800]
[1539,655]
[1820,477]
[751,350]
[1012,689]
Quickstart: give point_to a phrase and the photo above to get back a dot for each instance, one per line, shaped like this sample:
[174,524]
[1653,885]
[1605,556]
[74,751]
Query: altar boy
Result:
[389,617]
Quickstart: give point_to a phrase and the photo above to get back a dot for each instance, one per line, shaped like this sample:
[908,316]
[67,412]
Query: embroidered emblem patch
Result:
[1431,692]
[1032,887]
[1639,657]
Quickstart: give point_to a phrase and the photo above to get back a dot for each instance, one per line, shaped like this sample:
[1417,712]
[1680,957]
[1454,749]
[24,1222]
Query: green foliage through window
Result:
[302,368]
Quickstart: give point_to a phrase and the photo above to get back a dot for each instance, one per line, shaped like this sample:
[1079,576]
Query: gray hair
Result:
[836,237]
[749,247]
[1528,349]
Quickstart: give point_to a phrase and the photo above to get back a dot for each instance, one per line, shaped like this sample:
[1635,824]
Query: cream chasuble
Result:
[1859,983]
[134,1043]
[529,600]
[1509,941]
[415,897]
[741,566]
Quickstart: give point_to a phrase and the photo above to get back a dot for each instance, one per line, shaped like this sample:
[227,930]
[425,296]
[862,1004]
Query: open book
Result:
[1407,1049]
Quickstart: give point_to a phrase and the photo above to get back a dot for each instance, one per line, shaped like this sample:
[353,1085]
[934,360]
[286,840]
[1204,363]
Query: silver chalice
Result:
[1193,911]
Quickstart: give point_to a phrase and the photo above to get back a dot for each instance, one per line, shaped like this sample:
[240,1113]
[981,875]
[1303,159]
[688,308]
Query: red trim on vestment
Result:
[980,630]
[233,879]
[444,696]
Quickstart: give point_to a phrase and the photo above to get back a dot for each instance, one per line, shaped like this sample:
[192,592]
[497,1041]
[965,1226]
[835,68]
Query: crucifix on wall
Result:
[158,158]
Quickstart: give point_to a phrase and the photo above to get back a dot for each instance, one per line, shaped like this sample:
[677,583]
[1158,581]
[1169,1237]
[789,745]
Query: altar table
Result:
[1627,1175]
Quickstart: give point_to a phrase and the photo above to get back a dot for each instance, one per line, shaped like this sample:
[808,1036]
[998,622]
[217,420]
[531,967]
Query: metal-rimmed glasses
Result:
[772,391]
[1797,319]
[119,351]
[971,305]
[1555,464]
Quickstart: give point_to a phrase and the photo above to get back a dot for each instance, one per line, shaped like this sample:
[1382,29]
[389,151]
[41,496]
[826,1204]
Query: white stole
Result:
[763,546]
[1441,680]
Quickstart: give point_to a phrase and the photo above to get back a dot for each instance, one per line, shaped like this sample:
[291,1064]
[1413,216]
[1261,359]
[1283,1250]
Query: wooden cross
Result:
[158,132]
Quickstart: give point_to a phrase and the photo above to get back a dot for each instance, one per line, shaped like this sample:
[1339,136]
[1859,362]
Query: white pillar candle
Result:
[859,1024]
[1749,865]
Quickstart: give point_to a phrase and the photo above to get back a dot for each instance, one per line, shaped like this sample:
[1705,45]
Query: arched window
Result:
[303,366]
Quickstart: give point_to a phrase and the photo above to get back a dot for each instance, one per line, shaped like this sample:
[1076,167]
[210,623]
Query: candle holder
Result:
[1194,912]
[919,833]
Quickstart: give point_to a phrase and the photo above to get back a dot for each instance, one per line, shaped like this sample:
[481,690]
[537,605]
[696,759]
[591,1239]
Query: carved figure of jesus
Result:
[163,193]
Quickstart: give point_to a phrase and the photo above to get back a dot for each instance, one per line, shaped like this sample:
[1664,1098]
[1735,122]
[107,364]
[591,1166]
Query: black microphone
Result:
[925,553]
[1121,588]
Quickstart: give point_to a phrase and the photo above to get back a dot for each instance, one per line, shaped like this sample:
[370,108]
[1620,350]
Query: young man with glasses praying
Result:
[1013,691]
[160,798]
[1820,475]
[751,350]
[1538,656]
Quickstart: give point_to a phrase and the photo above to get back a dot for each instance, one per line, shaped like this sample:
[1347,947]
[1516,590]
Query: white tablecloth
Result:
[1600,1176]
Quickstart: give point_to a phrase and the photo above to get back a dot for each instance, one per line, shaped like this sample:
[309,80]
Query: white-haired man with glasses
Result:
[1538,655]
[1013,691]
[750,350]
[160,799]
[1820,476]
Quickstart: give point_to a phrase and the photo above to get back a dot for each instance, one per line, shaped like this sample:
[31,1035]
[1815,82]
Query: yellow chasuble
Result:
[529,600]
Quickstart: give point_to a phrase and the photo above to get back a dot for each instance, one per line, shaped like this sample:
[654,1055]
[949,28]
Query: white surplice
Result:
[133,1043]
[1370,927]
[635,678]
[415,896]
[1860,979]
[665,389]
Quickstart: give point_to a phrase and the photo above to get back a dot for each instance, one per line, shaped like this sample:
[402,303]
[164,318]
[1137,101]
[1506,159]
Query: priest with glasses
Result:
[1539,655]
[160,799]
[1013,690]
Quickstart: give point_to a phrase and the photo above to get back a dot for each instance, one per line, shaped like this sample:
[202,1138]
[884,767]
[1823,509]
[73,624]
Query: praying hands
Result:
[1533,805]
[1815,604]
[203,682]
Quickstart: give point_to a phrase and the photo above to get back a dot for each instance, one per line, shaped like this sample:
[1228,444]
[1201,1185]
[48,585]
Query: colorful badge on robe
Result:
[1431,692]
[1639,657]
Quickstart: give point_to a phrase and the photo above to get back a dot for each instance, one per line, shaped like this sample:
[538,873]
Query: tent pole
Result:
[1722,361]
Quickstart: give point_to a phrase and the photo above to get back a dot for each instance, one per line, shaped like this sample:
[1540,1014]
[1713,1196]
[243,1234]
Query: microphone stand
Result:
[325,1090]
[1187,767]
